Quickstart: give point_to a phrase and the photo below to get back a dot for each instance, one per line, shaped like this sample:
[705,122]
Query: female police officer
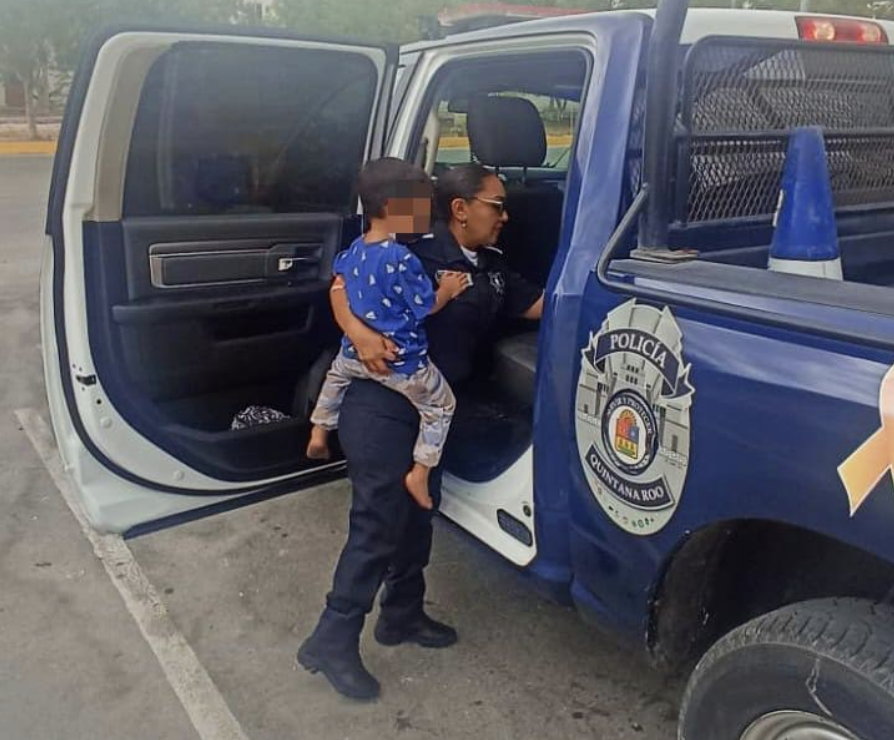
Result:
[390,537]
[472,201]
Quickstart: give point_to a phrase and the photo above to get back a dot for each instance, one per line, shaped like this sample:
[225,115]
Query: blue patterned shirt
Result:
[388,289]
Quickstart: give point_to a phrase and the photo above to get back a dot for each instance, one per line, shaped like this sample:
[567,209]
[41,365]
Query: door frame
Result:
[58,275]
[479,508]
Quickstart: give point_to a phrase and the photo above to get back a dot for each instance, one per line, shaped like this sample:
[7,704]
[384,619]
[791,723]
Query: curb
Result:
[15,148]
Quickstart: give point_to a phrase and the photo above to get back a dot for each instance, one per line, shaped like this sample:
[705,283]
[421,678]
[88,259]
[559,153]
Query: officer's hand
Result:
[374,350]
[454,283]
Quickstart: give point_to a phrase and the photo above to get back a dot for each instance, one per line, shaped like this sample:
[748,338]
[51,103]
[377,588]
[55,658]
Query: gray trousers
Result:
[426,389]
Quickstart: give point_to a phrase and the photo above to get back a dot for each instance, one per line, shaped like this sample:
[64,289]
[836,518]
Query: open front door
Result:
[203,185]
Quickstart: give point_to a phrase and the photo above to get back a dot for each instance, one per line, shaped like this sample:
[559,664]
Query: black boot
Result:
[423,630]
[334,650]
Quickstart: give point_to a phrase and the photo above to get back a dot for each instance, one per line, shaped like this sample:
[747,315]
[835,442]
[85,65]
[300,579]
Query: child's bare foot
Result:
[417,484]
[318,447]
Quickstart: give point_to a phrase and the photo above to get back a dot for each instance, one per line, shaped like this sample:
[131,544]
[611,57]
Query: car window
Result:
[559,118]
[223,129]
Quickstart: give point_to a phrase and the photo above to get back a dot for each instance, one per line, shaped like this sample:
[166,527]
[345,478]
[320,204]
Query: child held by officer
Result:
[387,288]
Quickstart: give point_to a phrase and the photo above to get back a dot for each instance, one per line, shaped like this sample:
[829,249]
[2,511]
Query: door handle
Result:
[287,263]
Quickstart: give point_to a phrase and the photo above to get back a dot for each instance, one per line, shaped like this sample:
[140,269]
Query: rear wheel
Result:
[821,670]
[796,726]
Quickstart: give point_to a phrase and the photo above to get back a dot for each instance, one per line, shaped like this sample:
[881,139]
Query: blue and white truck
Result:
[696,446]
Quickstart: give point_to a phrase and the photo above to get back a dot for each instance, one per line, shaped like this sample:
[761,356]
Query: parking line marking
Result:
[195,689]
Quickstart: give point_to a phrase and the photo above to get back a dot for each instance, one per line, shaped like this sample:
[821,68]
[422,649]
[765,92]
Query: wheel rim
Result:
[796,726]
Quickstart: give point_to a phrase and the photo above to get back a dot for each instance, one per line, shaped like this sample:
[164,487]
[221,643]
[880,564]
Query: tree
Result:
[82,18]
[37,36]
[398,21]
[24,50]
[40,36]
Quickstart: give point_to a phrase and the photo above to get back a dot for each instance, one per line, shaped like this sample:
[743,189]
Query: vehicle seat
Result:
[515,366]
[508,132]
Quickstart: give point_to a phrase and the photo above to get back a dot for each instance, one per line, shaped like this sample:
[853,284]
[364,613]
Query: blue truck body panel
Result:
[592,203]
[775,410]
[775,413]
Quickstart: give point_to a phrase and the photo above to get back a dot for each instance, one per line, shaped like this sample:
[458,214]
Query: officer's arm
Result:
[372,348]
[524,299]
[535,312]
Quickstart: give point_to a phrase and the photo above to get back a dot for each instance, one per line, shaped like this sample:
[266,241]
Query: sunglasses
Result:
[499,205]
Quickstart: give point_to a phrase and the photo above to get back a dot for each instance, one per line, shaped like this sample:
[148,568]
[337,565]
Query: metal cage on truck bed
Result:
[741,98]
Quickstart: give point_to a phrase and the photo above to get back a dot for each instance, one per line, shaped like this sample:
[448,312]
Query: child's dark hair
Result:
[463,181]
[390,177]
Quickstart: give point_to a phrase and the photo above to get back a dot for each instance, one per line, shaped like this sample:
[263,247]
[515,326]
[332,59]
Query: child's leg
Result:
[325,415]
[318,445]
[430,393]
[416,482]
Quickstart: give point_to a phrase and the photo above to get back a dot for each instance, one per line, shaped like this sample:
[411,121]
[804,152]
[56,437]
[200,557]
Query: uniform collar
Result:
[448,249]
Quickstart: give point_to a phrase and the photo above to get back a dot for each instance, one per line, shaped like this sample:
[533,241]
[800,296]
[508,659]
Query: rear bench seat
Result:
[515,366]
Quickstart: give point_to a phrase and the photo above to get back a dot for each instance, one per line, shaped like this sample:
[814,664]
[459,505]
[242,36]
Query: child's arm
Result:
[412,287]
[450,286]
[373,349]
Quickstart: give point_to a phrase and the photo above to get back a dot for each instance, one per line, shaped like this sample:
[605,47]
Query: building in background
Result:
[256,11]
[12,94]
[50,103]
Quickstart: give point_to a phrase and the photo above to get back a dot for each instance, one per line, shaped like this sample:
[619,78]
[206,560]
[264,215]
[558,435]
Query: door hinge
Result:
[86,379]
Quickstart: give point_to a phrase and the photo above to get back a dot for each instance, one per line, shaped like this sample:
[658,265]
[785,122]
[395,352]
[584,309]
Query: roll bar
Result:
[661,111]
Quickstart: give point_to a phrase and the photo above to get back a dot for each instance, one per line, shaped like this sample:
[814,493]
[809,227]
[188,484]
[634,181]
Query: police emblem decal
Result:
[632,417]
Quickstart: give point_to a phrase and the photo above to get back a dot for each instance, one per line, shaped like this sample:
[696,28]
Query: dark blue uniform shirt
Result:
[458,332]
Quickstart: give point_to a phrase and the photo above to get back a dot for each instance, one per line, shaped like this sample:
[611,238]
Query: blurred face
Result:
[409,211]
[480,219]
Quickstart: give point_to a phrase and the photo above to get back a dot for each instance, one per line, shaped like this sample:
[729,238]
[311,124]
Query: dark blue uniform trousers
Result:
[389,536]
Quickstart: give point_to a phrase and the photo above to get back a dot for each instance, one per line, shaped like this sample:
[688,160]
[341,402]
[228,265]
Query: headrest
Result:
[506,132]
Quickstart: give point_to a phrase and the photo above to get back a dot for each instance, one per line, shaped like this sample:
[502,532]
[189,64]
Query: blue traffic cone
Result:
[806,237]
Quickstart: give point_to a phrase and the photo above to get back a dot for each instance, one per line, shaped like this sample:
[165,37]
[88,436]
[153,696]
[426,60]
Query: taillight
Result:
[817,28]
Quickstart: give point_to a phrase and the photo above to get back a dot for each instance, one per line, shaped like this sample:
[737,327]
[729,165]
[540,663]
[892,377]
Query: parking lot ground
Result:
[253,582]
[246,586]
[74,665]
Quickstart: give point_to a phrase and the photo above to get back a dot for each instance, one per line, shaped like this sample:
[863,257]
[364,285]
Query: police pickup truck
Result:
[695,449]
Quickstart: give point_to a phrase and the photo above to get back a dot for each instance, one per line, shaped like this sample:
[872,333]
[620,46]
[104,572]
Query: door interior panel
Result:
[193,264]
[226,251]
[208,302]
[240,318]
[204,184]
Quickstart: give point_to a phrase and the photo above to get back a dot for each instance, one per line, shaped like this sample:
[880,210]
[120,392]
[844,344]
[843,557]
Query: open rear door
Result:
[202,187]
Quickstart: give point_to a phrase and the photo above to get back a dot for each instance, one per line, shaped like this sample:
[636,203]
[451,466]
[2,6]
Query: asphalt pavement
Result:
[243,588]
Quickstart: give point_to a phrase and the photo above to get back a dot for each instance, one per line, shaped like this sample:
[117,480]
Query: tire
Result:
[820,670]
